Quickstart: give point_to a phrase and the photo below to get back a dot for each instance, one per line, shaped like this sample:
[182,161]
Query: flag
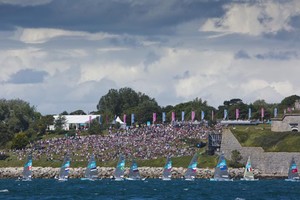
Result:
[163,117]
[262,112]
[193,116]
[275,112]
[212,115]
[100,119]
[154,117]
[90,119]
[173,116]
[237,113]
[124,118]
[225,114]
[249,113]
[182,116]
[202,114]
[132,118]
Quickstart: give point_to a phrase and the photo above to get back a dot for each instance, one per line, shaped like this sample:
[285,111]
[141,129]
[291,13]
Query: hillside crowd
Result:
[148,142]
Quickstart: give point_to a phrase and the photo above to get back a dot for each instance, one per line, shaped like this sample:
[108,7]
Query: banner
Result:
[275,112]
[154,117]
[249,113]
[132,118]
[202,114]
[225,114]
[262,112]
[173,116]
[163,117]
[212,115]
[124,118]
[193,116]
[182,116]
[237,113]
[100,119]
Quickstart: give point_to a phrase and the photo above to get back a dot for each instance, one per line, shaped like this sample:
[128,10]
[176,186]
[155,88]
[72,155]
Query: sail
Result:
[293,170]
[167,173]
[248,174]
[221,170]
[119,172]
[192,168]
[65,168]
[27,171]
[134,171]
[91,171]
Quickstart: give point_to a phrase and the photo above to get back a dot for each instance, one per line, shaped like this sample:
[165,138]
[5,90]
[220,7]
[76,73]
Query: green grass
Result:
[262,136]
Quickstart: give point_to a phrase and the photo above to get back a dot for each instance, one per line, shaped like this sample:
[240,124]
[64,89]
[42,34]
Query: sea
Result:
[149,189]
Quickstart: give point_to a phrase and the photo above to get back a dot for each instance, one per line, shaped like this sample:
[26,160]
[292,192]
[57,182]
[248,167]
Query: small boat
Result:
[167,173]
[293,174]
[64,169]
[91,172]
[134,173]
[248,173]
[120,168]
[221,170]
[191,171]
[27,170]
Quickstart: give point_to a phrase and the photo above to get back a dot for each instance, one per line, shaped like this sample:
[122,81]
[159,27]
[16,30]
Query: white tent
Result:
[119,120]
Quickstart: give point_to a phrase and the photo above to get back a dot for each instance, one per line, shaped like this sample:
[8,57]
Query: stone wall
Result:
[289,122]
[272,163]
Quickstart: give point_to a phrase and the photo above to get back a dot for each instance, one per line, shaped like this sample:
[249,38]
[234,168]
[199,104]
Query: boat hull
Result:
[220,179]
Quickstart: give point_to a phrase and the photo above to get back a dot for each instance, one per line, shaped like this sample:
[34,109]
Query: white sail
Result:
[64,169]
[248,173]
[293,174]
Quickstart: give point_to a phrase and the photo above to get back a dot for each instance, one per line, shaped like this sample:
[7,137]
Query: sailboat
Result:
[293,172]
[119,171]
[134,173]
[191,171]
[64,169]
[248,174]
[27,170]
[167,173]
[221,170]
[91,172]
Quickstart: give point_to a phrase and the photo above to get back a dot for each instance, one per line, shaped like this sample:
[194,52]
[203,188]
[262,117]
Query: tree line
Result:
[21,123]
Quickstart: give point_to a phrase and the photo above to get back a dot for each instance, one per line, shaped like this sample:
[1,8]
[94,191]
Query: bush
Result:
[235,159]
[20,141]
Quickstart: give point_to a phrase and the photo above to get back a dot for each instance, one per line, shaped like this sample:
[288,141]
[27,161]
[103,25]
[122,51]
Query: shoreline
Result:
[149,172]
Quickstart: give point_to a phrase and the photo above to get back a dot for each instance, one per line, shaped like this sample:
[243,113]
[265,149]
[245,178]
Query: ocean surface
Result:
[149,189]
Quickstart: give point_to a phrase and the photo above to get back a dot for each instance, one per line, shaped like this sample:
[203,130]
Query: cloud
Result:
[25,2]
[26,76]
[264,17]
[287,55]
[42,35]
[242,55]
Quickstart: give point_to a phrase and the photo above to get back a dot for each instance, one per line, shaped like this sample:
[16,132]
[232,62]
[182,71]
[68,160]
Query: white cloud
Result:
[25,2]
[254,19]
[42,35]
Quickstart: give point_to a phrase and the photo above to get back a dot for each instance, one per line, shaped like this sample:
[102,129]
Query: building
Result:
[76,121]
[289,122]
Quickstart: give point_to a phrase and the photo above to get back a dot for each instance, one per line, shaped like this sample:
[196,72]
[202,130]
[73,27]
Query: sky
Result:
[64,55]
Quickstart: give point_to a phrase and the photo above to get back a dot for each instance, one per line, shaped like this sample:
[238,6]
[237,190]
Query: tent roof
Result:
[78,119]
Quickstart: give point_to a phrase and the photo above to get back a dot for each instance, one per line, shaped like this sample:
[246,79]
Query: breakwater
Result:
[107,172]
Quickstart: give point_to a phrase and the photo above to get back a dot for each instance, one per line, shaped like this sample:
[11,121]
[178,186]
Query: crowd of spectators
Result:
[146,142]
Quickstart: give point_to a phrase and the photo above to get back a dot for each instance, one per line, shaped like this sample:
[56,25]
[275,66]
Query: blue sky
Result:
[65,54]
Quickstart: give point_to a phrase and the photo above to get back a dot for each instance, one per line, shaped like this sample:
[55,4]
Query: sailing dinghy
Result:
[64,169]
[191,171]
[221,170]
[167,173]
[119,171]
[293,174]
[134,173]
[248,174]
[27,170]
[91,172]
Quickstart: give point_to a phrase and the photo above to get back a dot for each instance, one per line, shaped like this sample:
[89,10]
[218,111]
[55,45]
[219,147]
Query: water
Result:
[150,189]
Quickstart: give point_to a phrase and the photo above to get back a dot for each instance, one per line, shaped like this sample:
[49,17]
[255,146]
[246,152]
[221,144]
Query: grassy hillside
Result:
[262,136]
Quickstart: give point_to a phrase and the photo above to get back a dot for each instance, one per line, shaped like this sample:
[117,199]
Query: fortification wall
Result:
[282,125]
[276,163]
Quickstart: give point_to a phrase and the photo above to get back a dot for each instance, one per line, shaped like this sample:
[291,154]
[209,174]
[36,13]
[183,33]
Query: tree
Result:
[59,123]
[20,141]
[94,128]
[78,112]
[235,159]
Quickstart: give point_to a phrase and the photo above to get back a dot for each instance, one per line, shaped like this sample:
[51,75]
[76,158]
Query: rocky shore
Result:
[107,172]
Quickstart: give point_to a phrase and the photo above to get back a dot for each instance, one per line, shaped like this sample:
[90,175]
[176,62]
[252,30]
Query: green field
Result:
[262,136]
